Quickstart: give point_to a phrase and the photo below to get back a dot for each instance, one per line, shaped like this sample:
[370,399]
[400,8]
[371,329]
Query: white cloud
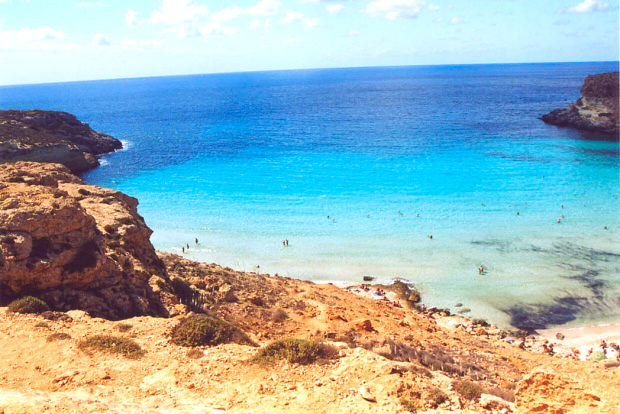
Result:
[589,6]
[43,37]
[309,23]
[394,9]
[334,8]
[262,8]
[101,40]
[141,44]
[292,17]
[90,4]
[456,20]
[298,17]
[131,18]
[433,7]
[177,11]
[197,30]
[293,40]
[254,24]
[353,33]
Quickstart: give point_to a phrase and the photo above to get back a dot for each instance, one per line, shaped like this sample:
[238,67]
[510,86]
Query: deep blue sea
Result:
[357,167]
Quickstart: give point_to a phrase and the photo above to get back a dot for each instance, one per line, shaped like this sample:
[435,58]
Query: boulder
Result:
[363,325]
[492,402]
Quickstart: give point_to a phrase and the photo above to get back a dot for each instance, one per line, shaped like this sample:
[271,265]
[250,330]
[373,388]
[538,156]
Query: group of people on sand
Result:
[605,348]
[285,242]
[187,245]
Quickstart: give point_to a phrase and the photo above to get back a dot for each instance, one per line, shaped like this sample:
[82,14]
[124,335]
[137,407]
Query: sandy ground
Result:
[585,338]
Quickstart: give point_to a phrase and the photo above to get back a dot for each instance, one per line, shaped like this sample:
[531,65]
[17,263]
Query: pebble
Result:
[363,391]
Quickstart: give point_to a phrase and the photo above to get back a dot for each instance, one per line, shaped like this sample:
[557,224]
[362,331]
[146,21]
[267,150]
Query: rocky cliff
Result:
[596,109]
[50,136]
[77,246]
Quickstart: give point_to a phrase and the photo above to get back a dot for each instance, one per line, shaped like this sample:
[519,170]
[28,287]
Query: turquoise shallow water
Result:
[356,167]
[382,210]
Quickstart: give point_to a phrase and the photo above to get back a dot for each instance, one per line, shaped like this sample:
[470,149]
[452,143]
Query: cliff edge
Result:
[76,246]
[596,109]
[51,136]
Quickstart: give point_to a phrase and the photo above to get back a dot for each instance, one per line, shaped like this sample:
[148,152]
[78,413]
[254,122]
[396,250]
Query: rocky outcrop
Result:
[74,245]
[568,390]
[596,109]
[50,136]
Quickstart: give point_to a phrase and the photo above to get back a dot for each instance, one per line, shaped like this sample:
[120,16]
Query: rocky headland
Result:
[596,110]
[51,136]
[86,252]
[74,245]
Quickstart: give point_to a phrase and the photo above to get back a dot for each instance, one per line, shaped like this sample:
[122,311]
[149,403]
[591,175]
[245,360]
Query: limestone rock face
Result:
[596,109]
[51,136]
[77,246]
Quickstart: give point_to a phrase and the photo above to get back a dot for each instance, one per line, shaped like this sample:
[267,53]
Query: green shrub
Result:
[201,330]
[468,390]
[58,336]
[409,405]
[195,353]
[279,316]
[56,316]
[28,304]
[114,344]
[437,395]
[297,351]
[124,327]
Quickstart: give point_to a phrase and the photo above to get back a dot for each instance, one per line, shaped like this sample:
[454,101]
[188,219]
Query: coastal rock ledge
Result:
[74,245]
[596,109]
[51,136]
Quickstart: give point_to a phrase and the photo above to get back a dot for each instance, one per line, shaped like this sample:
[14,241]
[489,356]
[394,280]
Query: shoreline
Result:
[576,342]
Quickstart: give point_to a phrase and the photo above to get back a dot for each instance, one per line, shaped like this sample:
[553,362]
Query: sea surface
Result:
[356,168]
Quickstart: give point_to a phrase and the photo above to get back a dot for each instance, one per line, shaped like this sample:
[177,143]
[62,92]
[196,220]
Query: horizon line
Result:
[307,69]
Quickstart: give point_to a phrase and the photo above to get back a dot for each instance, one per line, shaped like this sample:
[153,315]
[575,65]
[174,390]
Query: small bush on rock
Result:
[409,405]
[114,344]
[56,316]
[124,327]
[437,395]
[195,353]
[468,390]
[28,304]
[58,336]
[296,351]
[201,330]
[279,316]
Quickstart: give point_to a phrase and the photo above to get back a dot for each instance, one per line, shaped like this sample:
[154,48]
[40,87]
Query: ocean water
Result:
[357,167]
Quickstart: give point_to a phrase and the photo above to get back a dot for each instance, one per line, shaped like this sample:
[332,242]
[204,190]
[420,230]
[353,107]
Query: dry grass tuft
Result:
[114,344]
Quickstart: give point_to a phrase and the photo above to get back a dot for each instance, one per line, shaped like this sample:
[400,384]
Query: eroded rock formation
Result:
[77,246]
[596,109]
[50,136]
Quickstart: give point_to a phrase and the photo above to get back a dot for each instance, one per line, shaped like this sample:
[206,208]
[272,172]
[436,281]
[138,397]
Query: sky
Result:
[61,40]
